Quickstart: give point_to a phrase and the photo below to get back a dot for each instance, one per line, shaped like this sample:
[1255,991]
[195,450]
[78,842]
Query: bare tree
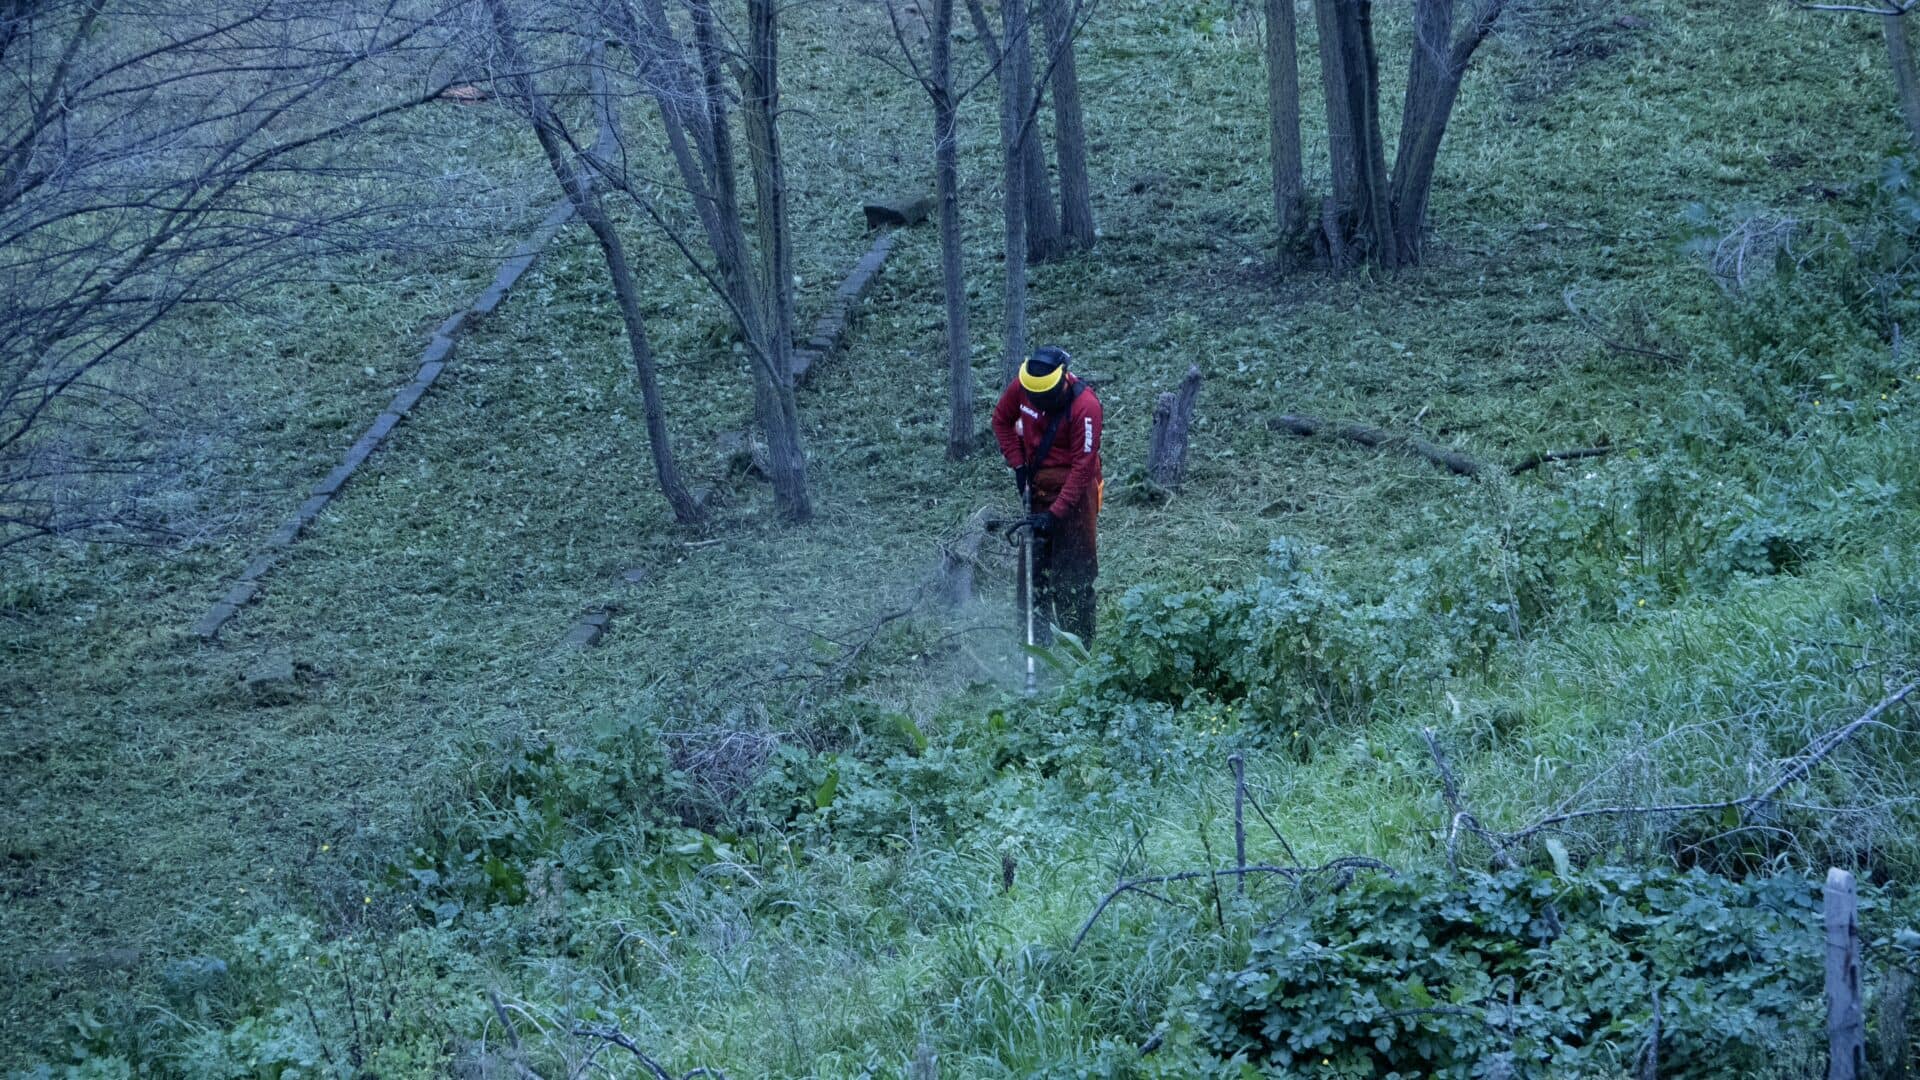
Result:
[1378,209]
[935,76]
[1015,176]
[689,83]
[554,138]
[156,158]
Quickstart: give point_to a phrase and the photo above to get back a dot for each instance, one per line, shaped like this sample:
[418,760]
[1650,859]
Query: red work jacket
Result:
[1018,426]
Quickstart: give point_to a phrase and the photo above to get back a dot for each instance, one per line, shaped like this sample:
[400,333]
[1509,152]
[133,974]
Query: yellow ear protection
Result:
[1046,354]
[1040,384]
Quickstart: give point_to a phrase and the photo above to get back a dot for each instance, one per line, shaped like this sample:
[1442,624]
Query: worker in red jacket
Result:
[1048,425]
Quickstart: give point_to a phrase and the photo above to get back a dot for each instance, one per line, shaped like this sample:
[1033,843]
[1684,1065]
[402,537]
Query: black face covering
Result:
[1053,400]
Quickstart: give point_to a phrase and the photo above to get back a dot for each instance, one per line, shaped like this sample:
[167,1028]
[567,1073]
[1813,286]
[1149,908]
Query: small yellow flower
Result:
[1816,401]
[366,900]
[324,848]
[1643,603]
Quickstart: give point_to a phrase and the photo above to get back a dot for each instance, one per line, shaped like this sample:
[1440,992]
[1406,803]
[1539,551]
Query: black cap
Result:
[1046,358]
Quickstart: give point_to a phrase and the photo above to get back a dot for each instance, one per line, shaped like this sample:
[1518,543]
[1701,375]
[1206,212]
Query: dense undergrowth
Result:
[486,854]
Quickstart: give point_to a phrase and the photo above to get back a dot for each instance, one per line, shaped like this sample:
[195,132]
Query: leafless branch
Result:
[1797,769]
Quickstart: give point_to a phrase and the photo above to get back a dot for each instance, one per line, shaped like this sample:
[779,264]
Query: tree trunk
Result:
[1350,69]
[953,279]
[588,206]
[1433,86]
[1069,127]
[758,309]
[1013,111]
[1283,118]
[1042,227]
[1906,79]
[781,418]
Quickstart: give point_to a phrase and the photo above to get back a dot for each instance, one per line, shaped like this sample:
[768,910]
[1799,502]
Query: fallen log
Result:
[1453,461]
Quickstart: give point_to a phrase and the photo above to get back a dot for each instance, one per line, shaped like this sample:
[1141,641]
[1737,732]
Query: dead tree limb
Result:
[1458,816]
[620,1039]
[1814,753]
[1535,460]
[1291,873]
[961,558]
[1453,461]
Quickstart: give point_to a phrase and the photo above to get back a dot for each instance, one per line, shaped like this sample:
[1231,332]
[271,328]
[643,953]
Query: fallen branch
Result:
[1292,873]
[1454,462]
[620,1039]
[1534,461]
[1815,752]
[1451,460]
[1458,816]
[1592,326]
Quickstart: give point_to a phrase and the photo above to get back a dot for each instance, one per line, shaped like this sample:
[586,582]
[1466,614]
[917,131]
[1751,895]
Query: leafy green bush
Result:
[576,809]
[1531,972]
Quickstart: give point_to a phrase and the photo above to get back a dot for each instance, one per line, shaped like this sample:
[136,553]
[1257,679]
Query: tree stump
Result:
[1172,427]
[960,560]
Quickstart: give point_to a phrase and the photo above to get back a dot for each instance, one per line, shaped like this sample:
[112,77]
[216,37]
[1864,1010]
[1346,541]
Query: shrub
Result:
[1527,972]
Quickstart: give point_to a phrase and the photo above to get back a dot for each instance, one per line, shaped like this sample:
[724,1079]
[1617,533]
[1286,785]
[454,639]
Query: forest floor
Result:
[155,809]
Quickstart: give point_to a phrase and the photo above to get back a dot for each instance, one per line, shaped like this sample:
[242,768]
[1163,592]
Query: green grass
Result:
[160,809]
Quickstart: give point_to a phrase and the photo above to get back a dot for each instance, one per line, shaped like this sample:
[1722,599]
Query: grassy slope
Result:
[429,601]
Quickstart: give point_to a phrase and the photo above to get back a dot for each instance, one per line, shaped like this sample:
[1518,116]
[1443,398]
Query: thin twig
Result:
[619,1038]
[1292,873]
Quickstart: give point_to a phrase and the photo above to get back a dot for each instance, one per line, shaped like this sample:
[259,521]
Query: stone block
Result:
[486,302]
[271,679]
[437,351]
[358,453]
[240,594]
[409,396]
[856,284]
[216,617]
[511,270]
[802,362]
[634,576]
[382,425]
[257,567]
[330,484]
[430,371]
[312,507]
[452,327]
[584,635]
[287,533]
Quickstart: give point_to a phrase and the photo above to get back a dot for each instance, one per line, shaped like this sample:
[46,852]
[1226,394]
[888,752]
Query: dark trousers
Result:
[1065,562]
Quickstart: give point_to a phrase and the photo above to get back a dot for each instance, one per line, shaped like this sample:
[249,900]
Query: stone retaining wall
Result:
[433,361]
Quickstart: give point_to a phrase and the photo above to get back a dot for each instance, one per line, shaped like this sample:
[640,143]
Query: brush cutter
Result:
[1022,528]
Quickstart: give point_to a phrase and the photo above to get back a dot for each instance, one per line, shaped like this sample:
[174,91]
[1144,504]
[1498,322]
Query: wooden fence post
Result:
[1846,1014]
